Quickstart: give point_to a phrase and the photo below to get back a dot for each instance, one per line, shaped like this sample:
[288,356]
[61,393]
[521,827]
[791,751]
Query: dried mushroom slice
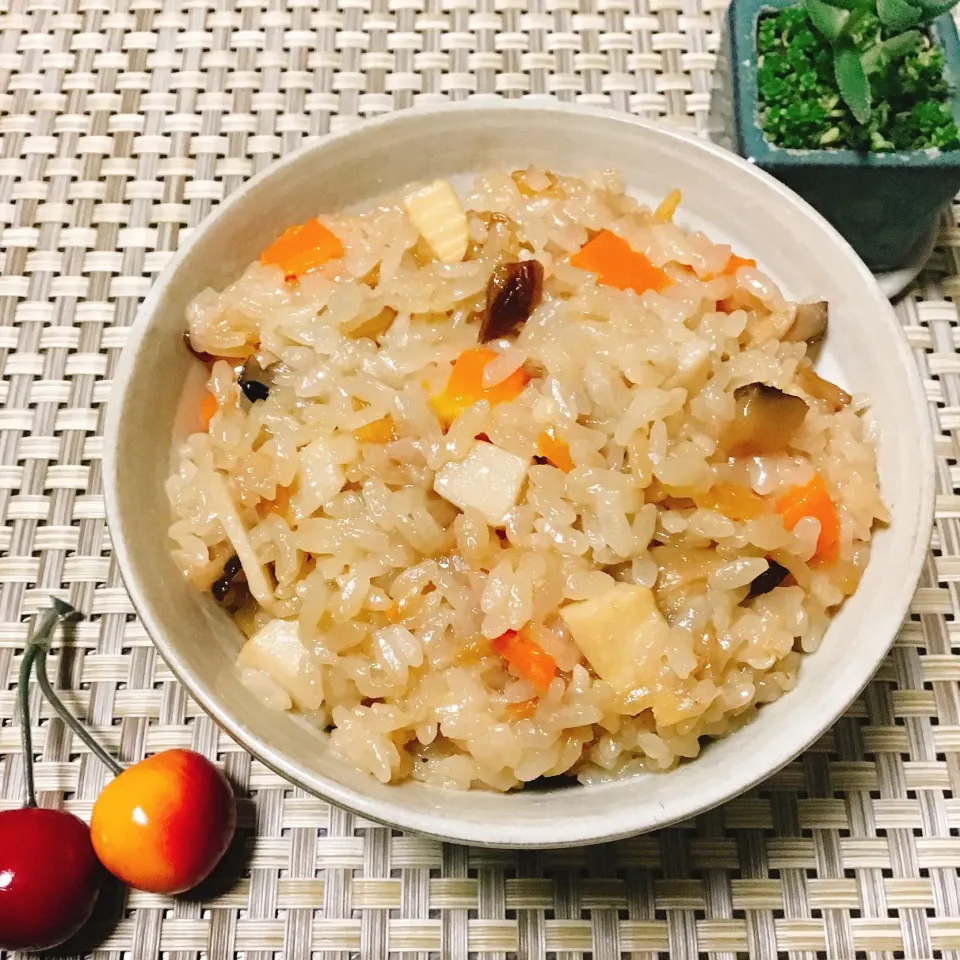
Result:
[835,397]
[513,293]
[809,323]
[765,421]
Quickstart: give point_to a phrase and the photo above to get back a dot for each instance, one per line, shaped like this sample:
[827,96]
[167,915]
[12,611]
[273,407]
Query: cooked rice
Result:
[393,595]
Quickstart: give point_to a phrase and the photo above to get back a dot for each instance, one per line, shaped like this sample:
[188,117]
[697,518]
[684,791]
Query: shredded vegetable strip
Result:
[240,539]
[529,660]
[523,710]
[668,207]
[733,500]
[208,407]
[379,431]
[735,263]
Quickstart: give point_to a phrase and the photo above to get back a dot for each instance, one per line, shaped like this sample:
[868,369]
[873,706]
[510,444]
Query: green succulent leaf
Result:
[828,20]
[875,59]
[880,56]
[934,8]
[902,43]
[843,4]
[898,14]
[902,98]
[852,82]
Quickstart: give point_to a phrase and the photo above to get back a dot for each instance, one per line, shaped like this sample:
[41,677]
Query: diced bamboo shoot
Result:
[276,650]
[439,216]
[621,633]
[488,479]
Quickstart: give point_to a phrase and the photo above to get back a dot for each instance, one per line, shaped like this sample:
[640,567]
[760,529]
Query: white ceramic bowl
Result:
[725,196]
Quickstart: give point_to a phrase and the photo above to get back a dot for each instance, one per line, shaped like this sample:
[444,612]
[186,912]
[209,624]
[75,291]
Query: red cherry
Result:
[49,877]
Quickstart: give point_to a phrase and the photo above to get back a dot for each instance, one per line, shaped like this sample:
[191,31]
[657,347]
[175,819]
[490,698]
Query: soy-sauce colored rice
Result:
[396,594]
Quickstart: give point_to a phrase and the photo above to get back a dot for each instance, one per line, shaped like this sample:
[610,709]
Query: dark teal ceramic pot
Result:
[885,204]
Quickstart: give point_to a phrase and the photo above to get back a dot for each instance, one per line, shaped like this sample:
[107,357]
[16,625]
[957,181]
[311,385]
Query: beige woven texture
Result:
[122,124]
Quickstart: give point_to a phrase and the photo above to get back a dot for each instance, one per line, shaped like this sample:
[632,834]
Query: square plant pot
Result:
[885,204]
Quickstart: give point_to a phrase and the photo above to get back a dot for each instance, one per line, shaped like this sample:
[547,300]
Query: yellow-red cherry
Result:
[163,824]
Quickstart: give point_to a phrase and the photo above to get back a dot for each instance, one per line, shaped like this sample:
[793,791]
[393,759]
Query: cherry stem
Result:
[35,655]
[40,636]
[37,642]
[69,719]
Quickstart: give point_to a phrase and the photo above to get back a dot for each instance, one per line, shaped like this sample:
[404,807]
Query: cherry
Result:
[49,877]
[163,824]
[49,874]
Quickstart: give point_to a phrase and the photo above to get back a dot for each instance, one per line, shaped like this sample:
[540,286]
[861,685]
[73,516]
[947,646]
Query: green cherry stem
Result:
[37,642]
[69,719]
[35,655]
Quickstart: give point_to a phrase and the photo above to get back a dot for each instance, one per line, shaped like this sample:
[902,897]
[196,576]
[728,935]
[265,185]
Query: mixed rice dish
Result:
[532,483]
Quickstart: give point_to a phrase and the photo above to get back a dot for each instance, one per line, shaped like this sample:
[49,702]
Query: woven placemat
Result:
[122,124]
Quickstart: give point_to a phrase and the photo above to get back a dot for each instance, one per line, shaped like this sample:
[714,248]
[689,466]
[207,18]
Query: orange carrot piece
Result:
[617,264]
[813,500]
[302,248]
[279,503]
[735,263]
[733,500]
[465,386]
[555,450]
[208,407]
[473,652]
[530,661]
[393,613]
[730,268]
[380,431]
[523,710]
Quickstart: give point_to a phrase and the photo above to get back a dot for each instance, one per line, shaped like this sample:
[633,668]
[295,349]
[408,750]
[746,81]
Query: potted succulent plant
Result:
[853,104]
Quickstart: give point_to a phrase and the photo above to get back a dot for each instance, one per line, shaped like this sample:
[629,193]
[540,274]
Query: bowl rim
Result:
[578,831]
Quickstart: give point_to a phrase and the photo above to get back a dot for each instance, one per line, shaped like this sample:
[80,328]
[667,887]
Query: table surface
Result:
[122,124]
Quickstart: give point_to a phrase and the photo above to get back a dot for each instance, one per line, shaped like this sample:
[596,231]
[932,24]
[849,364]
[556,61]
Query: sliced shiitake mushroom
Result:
[221,586]
[772,577]
[512,294]
[534,369]
[255,382]
[765,422]
[199,354]
[835,397]
[809,323]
